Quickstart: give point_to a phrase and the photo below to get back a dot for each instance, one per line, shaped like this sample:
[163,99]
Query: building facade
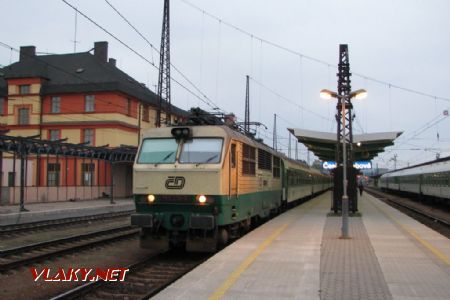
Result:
[78,98]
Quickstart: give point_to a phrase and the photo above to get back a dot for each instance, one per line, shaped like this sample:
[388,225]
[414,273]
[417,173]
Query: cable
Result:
[138,54]
[73,75]
[135,29]
[214,105]
[302,55]
[289,101]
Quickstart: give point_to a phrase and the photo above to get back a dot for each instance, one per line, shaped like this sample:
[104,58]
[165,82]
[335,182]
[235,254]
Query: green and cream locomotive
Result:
[198,186]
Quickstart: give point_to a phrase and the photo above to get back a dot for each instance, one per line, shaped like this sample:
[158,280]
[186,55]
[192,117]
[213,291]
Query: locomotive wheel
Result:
[223,236]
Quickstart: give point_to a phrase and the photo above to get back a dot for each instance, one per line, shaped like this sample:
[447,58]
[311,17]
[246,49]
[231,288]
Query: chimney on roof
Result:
[27,52]
[101,51]
[112,61]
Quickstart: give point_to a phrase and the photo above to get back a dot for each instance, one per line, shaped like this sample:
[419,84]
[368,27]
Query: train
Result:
[430,180]
[199,186]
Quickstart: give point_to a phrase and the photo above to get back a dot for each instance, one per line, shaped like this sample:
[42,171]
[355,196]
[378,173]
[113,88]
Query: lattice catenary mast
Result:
[164,69]
[247,107]
[344,88]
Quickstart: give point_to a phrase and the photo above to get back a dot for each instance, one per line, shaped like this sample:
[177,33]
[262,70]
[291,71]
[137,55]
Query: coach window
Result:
[201,151]
[248,160]
[158,151]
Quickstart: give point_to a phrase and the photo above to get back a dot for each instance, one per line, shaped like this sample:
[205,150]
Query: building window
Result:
[24,116]
[56,105]
[2,104]
[248,160]
[88,136]
[89,102]
[145,113]
[128,108]
[53,171]
[54,134]
[24,89]
[87,171]
[11,178]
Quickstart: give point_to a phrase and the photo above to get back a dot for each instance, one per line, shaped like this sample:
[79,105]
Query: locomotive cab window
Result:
[201,151]
[158,151]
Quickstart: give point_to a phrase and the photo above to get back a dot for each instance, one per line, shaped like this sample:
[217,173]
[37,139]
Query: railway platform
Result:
[299,255]
[37,212]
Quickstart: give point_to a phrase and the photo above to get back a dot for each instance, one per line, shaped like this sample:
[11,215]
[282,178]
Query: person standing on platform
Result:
[361,185]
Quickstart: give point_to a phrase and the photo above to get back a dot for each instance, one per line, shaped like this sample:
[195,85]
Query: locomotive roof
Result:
[213,130]
[224,130]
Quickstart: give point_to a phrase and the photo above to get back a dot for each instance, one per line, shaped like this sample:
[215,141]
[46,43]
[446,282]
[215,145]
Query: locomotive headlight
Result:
[151,198]
[202,198]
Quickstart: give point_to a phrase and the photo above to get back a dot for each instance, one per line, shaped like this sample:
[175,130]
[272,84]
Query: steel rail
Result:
[120,233]
[384,196]
[157,284]
[32,226]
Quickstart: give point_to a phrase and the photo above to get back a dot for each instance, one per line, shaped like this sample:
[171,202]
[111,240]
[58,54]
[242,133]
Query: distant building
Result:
[83,97]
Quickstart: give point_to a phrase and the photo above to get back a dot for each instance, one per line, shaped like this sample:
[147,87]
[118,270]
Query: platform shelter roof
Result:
[365,146]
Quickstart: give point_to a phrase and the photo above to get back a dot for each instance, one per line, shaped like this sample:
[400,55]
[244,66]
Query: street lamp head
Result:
[359,94]
[327,94]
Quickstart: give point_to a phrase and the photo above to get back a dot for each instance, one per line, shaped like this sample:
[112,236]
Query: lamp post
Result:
[358,94]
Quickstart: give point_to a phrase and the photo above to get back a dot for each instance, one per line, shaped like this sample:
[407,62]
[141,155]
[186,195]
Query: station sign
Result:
[360,165]
[328,165]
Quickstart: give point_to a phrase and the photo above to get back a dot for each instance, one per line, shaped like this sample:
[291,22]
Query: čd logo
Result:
[175,182]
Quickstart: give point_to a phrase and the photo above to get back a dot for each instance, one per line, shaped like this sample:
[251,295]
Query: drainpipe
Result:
[139,122]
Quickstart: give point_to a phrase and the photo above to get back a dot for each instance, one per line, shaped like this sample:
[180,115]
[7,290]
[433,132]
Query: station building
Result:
[83,98]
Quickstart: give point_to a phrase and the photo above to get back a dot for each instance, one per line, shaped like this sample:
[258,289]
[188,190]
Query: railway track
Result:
[50,224]
[145,279]
[431,217]
[27,254]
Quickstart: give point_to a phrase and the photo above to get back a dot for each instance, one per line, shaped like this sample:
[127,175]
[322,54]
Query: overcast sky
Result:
[399,42]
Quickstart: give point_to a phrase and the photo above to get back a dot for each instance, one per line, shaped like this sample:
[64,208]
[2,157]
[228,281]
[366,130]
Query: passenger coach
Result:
[430,180]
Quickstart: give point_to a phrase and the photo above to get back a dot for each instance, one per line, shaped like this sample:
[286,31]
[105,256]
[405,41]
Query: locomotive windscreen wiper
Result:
[168,155]
[211,158]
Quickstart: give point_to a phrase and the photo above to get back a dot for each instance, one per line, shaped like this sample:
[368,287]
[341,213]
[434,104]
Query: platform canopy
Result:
[365,146]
